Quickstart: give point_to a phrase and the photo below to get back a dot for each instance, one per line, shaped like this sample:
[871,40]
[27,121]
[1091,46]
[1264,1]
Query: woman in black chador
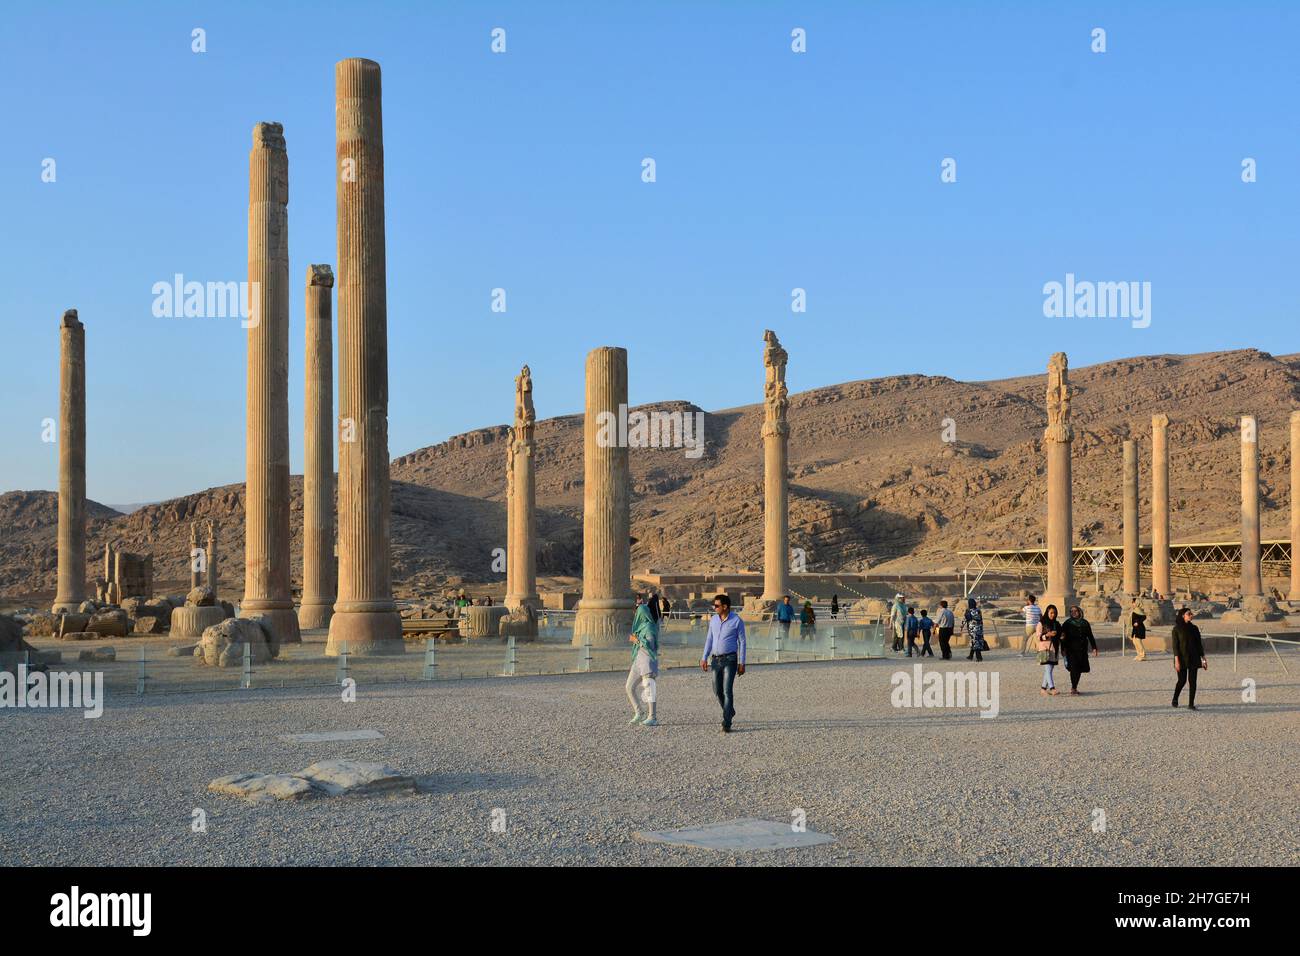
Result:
[1189,656]
[1076,636]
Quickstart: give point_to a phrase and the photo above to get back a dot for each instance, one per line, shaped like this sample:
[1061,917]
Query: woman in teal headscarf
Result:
[645,664]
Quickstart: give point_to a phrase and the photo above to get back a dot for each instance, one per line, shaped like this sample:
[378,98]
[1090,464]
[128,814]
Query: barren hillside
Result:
[872,481]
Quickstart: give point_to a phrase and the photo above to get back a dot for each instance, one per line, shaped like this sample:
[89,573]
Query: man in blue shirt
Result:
[724,651]
[784,615]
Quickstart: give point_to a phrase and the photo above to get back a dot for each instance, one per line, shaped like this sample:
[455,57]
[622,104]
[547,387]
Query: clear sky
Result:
[775,170]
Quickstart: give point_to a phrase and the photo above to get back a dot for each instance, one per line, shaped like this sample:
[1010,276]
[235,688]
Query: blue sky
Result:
[522,171]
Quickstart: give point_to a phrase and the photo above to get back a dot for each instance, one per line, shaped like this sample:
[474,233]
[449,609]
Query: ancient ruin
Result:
[365,615]
[1255,604]
[212,557]
[318,591]
[197,559]
[72,464]
[1057,441]
[776,490]
[200,611]
[1160,506]
[605,611]
[266,540]
[1132,577]
[1294,594]
[521,514]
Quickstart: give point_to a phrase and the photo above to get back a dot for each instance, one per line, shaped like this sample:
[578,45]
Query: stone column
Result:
[196,574]
[266,500]
[1252,584]
[521,501]
[72,464]
[1294,595]
[1132,575]
[605,611]
[776,463]
[1160,582]
[1057,442]
[365,615]
[212,556]
[1255,605]
[318,590]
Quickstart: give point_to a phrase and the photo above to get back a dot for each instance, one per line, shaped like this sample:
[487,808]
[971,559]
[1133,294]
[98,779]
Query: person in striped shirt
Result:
[1033,614]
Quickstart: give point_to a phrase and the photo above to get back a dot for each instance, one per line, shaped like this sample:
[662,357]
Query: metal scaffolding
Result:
[1203,560]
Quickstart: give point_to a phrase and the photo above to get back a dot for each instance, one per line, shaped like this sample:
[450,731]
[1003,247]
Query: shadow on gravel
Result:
[937,718]
[472,782]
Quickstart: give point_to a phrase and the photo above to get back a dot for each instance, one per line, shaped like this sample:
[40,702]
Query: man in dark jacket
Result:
[1189,656]
[1076,636]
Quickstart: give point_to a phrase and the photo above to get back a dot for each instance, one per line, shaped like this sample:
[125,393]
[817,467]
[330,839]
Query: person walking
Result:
[1138,631]
[946,624]
[835,606]
[1033,614]
[1048,636]
[1189,656]
[724,652]
[784,617]
[1076,636]
[973,624]
[897,621]
[645,664]
[912,628]
[807,622]
[925,627]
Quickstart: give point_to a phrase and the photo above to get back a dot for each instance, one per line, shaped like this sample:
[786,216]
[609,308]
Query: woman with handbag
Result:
[1049,647]
[1138,630]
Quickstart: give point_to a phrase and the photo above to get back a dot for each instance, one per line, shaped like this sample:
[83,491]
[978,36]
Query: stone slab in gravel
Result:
[263,787]
[331,736]
[738,835]
[356,778]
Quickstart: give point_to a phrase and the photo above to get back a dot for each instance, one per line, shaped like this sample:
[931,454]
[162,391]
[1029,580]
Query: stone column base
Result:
[521,625]
[191,621]
[281,620]
[367,633]
[65,607]
[315,615]
[606,624]
[1255,609]
[515,601]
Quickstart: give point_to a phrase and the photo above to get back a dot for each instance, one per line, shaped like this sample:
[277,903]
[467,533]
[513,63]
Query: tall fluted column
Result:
[776,460]
[605,611]
[1057,440]
[212,556]
[521,501]
[196,565]
[1160,582]
[1132,576]
[318,591]
[72,464]
[365,615]
[1295,505]
[1252,583]
[266,548]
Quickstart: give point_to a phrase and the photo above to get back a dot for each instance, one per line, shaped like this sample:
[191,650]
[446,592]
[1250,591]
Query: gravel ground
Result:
[893,786]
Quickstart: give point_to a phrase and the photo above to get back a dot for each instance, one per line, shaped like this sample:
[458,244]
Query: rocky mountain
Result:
[896,473]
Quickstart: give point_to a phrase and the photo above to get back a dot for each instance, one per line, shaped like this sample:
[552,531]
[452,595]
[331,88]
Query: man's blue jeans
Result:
[724,677]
